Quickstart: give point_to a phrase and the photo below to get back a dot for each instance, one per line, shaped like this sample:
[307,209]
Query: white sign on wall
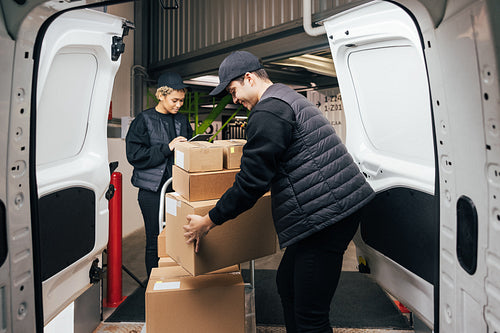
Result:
[329,101]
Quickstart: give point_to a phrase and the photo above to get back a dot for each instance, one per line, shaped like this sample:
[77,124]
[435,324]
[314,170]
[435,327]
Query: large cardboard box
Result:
[198,156]
[233,150]
[197,186]
[177,302]
[166,261]
[249,236]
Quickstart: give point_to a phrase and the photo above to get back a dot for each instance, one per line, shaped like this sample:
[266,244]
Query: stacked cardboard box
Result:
[167,261]
[204,171]
[233,150]
[198,156]
[249,236]
[208,283]
[178,302]
[196,186]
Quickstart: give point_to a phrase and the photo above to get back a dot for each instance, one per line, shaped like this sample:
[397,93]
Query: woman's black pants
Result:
[308,276]
[150,205]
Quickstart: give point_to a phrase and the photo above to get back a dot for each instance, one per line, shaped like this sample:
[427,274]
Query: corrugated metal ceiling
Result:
[194,39]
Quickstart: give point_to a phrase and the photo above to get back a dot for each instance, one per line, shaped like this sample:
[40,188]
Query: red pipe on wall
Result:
[114,266]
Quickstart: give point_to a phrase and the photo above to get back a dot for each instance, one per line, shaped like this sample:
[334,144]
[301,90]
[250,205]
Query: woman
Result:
[150,144]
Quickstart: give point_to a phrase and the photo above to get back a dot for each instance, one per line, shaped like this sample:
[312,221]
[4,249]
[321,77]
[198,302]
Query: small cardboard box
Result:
[249,236]
[233,150]
[216,300]
[198,156]
[197,186]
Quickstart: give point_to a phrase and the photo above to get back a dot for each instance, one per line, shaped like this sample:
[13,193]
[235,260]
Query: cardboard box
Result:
[198,156]
[233,150]
[177,302]
[162,251]
[166,262]
[249,236]
[197,186]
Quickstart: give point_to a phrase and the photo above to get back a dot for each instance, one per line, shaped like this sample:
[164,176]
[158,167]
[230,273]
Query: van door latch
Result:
[96,273]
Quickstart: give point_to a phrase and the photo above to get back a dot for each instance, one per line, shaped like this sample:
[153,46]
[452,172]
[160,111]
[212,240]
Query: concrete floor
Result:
[133,260]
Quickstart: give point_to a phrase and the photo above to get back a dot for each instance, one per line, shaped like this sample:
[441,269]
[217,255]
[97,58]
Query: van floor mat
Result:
[358,302]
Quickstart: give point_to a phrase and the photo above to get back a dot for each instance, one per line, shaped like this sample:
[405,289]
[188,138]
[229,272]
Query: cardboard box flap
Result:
[195,144]
[231,142]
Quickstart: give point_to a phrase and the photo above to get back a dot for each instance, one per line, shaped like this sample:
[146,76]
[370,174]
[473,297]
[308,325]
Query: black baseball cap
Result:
[172,80]
[233,66]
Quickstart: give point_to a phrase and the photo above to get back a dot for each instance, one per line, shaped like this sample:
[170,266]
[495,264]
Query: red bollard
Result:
[114,270]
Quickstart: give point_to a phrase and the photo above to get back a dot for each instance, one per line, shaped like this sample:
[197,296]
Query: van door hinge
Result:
[117,45]
[117,48]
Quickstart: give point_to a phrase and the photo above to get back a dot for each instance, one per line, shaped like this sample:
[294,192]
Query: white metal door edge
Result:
[464,75]
[382,76]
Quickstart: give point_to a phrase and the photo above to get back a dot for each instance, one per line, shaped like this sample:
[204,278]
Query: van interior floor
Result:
[359,305]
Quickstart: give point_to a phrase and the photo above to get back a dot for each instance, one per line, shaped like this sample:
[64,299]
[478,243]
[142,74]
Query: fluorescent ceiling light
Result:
[205,80]
[228,106]
[315,64]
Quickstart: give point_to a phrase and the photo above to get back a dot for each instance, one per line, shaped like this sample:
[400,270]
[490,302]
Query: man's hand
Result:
[197,227]
[178,139]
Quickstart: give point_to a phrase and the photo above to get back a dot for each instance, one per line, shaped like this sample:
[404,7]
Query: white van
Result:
[420,89]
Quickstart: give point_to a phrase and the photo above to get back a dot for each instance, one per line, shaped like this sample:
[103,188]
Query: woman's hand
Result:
[197,227]
[175,141]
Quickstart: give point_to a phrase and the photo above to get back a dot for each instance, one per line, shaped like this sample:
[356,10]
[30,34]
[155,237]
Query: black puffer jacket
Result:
[147,146]
[293,150]
[317,182]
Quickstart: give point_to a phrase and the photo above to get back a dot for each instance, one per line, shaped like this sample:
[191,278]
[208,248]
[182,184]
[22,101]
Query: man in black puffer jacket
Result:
[316,189]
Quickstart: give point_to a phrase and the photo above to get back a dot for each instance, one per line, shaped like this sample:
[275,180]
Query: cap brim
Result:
[219,88]
[174,86]
[180,86]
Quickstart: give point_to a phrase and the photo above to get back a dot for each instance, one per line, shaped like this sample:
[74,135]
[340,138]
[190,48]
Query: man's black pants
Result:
[308,276]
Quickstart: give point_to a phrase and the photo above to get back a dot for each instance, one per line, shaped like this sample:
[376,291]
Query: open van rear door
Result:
[57,78]
[379,59]
[76,69]
[420,87]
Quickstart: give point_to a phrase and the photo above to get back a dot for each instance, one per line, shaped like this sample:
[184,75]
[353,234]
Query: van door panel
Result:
[381,70]
[74,84]
[399,223]
[67,228]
